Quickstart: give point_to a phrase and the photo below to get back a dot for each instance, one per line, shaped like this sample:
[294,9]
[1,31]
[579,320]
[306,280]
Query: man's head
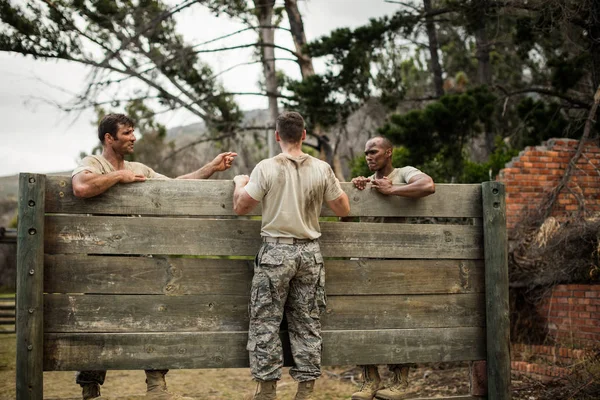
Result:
[116,130]
[111,123]
[378,152]
[290,126]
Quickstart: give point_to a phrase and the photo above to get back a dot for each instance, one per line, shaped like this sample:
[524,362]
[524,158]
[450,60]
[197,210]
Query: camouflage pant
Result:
[83,377]
[288,278]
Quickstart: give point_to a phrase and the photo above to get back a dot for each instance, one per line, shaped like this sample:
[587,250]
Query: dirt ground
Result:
[223,384]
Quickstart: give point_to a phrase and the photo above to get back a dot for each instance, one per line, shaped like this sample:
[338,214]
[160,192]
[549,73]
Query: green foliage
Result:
[482,172]
[437,134]
[541,121]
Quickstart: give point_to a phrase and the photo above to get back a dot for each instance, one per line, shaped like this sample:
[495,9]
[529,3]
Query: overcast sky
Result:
[37,137]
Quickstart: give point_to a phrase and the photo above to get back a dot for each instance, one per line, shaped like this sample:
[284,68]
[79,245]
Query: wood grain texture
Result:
[30,283]
[214,197]
[75,273]
[496,290]
[73,351]
[210,313]
[189,236]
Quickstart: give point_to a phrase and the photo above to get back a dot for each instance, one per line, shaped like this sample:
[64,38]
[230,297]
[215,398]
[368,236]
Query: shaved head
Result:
[381,141]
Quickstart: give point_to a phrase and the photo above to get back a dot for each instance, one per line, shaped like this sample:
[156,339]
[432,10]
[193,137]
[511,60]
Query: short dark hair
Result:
[290,126]
[110,124]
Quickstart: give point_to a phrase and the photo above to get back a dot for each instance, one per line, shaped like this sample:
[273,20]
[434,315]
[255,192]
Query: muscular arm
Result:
[420,185]
[243,203]
[221,162]
[340,206]
[88,184]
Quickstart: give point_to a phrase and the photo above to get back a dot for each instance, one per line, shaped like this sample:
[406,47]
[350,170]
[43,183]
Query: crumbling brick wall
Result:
[537,170]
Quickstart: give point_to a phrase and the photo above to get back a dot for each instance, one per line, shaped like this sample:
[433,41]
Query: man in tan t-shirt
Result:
[96,174]
[288,272]
[386,180]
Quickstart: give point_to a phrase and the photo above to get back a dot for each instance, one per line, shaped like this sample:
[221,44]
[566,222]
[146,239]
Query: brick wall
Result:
[537,170]
[572,313]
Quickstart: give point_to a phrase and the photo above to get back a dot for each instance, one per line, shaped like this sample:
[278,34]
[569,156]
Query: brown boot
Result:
[371,381]
[397,390]
[266,391]
[157,387]
[305,390]
[90,391]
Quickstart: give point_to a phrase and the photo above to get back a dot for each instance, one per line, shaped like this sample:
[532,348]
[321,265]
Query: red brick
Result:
[592,294]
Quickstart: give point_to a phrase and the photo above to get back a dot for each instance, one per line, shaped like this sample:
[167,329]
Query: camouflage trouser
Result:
[287,278]
[83,377]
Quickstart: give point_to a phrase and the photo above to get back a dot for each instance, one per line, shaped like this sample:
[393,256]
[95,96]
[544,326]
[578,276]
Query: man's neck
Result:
[385,171]
[291,149]
[116,160]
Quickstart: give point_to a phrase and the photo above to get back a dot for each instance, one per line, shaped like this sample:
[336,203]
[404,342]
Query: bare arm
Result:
[340,206]
[420,185]
[243,203]
[88,184]
[221,162]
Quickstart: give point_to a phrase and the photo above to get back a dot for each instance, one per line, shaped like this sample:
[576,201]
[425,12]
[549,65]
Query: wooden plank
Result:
[214,197]
[158,313]
[30,281]
[189,236]
[75,273]
[496,290]
[73,351]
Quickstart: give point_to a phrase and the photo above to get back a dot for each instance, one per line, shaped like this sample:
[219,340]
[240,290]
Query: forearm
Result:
[94,185]
[415,190]
[203,173]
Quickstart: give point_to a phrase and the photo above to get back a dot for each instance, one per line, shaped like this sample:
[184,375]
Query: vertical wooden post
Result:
[30,286]
[496,290]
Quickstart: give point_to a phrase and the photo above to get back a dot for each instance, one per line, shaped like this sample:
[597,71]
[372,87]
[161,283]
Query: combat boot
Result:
[157,387]
[371,381]
[266,391]
[397,390]
[305,390]
[90,391]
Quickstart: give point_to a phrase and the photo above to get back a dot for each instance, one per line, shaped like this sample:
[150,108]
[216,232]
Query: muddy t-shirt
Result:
[100,165]
[401,175]
[292,190]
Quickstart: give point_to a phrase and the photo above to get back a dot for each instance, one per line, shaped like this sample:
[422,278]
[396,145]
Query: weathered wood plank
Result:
[75,273]
[30,283]
[158,313]
[73,351]
[496,290]
[129,235]
[214,197]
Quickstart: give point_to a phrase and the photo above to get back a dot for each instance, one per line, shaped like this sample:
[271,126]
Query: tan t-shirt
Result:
[100,165]
[401,175]
[397,176]
[292,190]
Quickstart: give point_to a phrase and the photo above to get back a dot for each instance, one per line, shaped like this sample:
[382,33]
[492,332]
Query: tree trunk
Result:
[299,37]
[436,69]
[306,70]
[267,36]
[484,68]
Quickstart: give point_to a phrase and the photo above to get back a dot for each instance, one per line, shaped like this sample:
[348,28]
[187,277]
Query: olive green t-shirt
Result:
[100,165]
[292,190]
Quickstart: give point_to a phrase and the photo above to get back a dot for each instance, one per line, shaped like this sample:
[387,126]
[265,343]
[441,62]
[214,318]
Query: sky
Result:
[38,137]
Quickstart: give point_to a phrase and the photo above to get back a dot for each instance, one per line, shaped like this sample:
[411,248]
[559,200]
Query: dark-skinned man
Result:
[289,276]
[95,175]
[387,180]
